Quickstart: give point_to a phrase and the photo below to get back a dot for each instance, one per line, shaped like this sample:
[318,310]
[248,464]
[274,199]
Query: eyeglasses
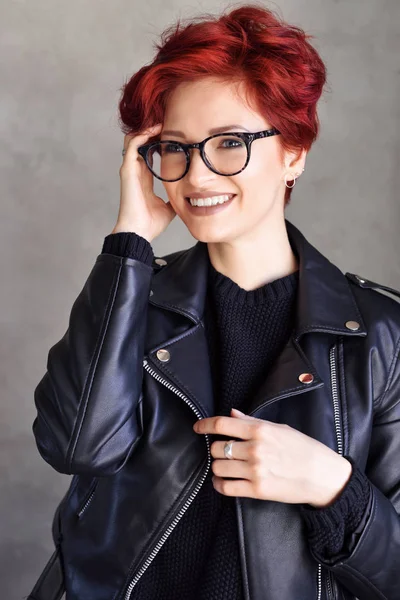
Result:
[226,154]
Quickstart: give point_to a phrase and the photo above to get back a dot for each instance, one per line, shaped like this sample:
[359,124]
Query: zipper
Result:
[335,396]
[188,502]
[329,584]
[89,498]
[336,411]
[339,439]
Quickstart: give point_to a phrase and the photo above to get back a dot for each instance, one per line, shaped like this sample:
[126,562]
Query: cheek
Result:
[173,194]
[265,165]
[258,188]
[262,175]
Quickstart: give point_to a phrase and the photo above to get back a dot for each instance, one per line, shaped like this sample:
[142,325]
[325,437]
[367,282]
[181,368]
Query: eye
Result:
[232,143]
[172,148]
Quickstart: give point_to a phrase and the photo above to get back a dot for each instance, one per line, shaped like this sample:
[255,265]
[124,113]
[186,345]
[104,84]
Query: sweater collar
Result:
[225,290]
[325,302]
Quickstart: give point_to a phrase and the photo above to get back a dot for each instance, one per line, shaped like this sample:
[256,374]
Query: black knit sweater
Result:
[246,331]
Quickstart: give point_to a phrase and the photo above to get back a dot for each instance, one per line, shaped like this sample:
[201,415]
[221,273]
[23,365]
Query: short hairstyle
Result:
[282,73]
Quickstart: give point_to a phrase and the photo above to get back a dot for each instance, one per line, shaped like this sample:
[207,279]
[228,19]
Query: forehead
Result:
[194,108]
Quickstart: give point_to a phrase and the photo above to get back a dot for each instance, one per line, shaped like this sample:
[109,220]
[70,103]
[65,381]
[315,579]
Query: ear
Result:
[295,161]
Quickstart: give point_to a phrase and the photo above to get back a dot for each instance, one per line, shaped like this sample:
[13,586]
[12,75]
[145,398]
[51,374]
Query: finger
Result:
[238,469]
[240,450]
[228,426]
[240,415]
[240,487]
[132,140]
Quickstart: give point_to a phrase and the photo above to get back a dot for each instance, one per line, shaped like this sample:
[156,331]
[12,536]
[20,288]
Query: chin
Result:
[207,237]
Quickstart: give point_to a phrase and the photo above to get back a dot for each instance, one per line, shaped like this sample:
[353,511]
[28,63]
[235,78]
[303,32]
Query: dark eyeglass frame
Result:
[247,137]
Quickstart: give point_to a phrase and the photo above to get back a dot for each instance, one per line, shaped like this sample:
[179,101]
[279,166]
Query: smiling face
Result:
[196,108]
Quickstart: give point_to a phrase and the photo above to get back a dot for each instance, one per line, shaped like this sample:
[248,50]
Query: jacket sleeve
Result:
[338,525]
[371,570]
[128,243]
[87,400]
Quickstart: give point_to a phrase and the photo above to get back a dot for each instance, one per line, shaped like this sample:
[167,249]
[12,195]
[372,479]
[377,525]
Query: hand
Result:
[141,211]
[273,461]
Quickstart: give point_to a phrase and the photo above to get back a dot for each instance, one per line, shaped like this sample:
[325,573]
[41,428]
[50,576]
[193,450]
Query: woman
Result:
[176,493]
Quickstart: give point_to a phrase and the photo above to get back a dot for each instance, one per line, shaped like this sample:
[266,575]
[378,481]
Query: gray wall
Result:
[61,67]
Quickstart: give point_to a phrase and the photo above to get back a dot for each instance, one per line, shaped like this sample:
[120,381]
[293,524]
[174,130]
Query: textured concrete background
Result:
[61,68]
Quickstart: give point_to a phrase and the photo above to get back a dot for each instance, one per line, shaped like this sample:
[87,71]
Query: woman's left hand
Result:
[273,461]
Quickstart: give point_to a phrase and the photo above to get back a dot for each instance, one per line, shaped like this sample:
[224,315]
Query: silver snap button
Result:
[160,261]
[163,355]
[353,325]
[306,378]
[151,292]
[360,279]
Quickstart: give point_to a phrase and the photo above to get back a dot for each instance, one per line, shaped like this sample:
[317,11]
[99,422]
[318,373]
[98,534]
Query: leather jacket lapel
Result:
[325,303]
[189,368]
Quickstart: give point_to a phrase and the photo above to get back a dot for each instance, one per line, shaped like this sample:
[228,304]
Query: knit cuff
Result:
[330,526]
[129,244]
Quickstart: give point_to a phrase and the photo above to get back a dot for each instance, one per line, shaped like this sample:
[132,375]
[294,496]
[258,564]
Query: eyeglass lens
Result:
[226,153]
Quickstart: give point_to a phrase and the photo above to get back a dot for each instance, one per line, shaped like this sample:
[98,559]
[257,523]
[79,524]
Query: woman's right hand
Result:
[140,211]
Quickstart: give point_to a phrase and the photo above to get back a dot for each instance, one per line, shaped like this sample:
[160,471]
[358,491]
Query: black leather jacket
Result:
[130,377]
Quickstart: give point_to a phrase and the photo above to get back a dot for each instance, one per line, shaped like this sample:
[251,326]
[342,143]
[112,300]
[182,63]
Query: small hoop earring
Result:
[290,186]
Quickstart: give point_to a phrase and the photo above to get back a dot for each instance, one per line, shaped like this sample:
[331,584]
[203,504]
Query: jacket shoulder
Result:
[365,283]
[375,303]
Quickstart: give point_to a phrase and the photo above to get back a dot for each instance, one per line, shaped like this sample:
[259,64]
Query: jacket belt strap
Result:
[50,585]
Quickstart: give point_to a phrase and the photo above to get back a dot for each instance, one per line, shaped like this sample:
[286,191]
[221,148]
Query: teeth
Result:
[210,201]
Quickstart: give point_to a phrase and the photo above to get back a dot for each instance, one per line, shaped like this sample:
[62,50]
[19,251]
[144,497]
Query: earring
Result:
[290,186]
[294,181]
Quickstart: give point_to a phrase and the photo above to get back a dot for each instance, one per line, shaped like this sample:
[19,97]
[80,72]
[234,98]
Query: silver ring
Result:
[123,151]
[228,449]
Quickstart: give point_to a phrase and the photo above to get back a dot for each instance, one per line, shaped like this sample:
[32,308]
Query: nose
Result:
[198,170]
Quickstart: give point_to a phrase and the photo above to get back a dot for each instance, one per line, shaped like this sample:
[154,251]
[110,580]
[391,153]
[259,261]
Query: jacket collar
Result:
[325,302]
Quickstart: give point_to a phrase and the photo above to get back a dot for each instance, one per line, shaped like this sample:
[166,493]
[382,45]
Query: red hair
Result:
[281,71]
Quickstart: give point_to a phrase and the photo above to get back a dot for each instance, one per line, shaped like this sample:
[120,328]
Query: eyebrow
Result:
[220,129]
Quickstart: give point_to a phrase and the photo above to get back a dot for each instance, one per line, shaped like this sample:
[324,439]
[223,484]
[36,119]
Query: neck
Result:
[254,261]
